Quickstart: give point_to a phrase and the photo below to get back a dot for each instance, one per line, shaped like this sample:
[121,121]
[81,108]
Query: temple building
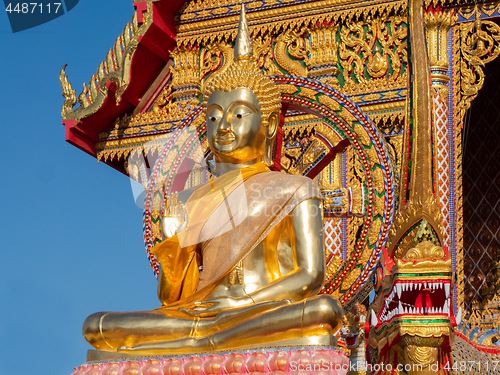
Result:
[392,107]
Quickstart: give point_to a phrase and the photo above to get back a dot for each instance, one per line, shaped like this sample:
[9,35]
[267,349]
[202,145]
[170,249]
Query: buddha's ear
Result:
[271,129]
[273,123]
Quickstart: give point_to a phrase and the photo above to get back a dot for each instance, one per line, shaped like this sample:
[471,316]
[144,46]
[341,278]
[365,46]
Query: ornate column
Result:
[186,77]
[410,329]
[322,59]
[437,24]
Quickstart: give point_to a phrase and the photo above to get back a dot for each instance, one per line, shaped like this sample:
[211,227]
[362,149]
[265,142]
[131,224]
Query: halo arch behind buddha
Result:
[340,120]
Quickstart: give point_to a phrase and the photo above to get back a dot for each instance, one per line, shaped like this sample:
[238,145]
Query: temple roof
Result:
[123,78]
[137,69]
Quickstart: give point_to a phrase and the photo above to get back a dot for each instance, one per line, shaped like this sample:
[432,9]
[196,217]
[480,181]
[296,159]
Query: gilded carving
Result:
[351,278]
[477,43]
[376,226]
[397,144]
[477,10]
[366,48]
[289,49]
[215,58]
[329,102]
[378,176]
[292,53]
[322,59]
[110,148]
[115,68]
[423,251]
[437,23]
[186,70]
[422,353]
[336,201]
[358,169]
[261,20]
[413,334]
[304,155]
[410,216]
[265,55]
[68,93]
[353,332]
[165,112]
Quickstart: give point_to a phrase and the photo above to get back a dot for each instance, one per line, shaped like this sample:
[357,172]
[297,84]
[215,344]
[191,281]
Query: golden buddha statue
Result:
[242,256]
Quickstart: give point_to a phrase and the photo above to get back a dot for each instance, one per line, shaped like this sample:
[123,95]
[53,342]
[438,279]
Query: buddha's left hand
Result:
[214,306]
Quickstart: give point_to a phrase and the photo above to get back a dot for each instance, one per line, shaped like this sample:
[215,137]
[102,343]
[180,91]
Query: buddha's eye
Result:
[241,114]
[214,116]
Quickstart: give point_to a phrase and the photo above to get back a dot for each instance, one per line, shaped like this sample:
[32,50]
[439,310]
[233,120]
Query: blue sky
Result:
[71,236]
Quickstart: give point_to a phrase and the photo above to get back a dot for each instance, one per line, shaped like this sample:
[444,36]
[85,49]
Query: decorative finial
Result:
[243,49]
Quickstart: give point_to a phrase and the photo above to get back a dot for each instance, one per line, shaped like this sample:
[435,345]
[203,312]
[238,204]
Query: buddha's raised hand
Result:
[175,218]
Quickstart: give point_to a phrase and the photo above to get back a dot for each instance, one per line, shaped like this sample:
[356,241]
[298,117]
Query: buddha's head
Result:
[242,107]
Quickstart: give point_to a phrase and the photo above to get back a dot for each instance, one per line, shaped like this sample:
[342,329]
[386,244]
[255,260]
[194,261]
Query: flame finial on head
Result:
[243,49]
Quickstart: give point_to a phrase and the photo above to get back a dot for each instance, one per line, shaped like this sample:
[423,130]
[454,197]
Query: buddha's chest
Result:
[267,262]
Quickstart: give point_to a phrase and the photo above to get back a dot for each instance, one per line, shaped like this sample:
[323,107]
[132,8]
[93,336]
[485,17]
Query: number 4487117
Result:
[33,7]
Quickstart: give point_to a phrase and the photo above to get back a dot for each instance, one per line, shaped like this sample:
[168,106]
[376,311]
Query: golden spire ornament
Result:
[243,49]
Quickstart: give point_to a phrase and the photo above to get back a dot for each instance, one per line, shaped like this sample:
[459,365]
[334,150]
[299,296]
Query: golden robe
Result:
[228,218]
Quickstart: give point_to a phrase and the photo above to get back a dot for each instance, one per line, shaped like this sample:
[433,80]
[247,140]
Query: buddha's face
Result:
[234,126]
